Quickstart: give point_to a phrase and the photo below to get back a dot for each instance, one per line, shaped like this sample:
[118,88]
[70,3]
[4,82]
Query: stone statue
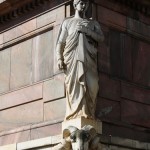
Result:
[76,50]
[75,139]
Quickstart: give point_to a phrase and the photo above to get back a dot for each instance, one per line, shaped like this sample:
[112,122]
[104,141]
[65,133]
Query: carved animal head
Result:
[83,139]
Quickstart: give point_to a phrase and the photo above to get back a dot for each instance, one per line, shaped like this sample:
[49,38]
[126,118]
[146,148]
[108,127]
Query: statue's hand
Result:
[60,64]
[81,28]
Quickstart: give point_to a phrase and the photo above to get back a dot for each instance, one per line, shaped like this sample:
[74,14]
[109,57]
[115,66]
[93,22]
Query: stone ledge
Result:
[126,143]
[106,142]
[49,141]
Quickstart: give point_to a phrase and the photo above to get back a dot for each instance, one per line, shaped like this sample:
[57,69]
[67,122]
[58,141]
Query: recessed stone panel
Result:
[4,70]
[21,64]
[43,56]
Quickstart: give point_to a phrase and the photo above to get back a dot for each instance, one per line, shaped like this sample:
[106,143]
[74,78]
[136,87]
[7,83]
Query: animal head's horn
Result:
[67,132]
[90,129]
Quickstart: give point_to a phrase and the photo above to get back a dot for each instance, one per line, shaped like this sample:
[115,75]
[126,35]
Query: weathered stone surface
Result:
[108,109]
[4,70]
[22,96]
[21,64]
[55,110]
[43,56]
[53,89]
[9,147]
[45,131]
[21,115]
[26,27]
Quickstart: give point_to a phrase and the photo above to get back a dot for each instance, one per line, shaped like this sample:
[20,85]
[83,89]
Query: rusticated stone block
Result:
[53,89]
[55,110]
[45,131]
[15,138]
[21,115]
[22,96]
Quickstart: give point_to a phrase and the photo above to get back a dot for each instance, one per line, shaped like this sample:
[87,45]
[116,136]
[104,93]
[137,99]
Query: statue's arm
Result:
[60,46]
[97,34]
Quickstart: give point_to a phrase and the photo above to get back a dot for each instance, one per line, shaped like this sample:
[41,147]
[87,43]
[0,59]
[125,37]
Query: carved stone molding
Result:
[141,6]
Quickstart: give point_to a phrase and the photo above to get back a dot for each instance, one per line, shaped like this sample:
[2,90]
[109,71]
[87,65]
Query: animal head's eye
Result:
[86,136]
[73,138]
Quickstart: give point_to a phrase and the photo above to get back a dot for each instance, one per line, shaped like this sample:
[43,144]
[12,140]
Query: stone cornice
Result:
[142,6]
[12,9]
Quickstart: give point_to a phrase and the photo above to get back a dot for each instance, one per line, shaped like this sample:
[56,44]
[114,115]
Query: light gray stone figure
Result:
[76,49]
[75,139]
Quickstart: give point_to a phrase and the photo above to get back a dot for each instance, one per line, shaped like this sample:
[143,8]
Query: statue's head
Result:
[81,5]
[83,139]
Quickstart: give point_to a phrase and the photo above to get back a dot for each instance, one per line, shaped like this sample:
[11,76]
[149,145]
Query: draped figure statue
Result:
[76,50]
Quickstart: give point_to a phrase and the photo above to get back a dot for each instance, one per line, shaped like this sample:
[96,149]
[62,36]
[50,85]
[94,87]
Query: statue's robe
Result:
[81,76]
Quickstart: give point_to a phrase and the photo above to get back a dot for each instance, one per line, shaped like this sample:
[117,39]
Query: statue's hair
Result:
[75,2]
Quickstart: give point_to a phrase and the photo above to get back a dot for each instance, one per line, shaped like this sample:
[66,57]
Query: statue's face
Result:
[82,5]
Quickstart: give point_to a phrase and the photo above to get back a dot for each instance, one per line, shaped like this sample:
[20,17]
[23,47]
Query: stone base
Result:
[81,122]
